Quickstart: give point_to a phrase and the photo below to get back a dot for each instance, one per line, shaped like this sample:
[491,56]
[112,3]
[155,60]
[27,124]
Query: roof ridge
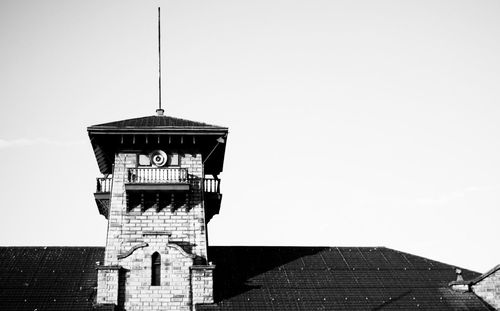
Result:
[432,260]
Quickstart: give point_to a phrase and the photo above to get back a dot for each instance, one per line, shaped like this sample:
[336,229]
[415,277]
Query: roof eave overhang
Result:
[159,131]
[104,163]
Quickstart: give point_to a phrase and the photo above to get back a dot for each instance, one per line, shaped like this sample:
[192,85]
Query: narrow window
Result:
[155,269]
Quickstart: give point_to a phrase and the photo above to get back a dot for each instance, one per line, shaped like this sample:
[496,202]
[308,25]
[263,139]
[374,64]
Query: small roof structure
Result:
[477,279]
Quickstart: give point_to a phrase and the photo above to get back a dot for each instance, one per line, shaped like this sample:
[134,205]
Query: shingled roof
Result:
[155,122]
[333,278]
[48,278]
[251,278]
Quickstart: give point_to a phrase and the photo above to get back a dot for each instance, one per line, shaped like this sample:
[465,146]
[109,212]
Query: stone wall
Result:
[202,280]
[174,291]
[135,232]
[107,278]
[488,288]
[125,228]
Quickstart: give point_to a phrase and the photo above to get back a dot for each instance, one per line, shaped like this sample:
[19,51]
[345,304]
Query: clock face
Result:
[158,158]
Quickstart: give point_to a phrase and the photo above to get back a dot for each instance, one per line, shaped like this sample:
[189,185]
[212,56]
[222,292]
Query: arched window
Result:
[155,269]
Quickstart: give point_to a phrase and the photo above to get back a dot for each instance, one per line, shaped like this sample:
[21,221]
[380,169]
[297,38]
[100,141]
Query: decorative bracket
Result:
[132,250]
[183,252]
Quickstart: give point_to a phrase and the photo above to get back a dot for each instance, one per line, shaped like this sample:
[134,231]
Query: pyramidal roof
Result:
[106,138]
[155,122]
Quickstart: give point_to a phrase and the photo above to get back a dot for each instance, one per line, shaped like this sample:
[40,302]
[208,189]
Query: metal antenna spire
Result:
[159,111]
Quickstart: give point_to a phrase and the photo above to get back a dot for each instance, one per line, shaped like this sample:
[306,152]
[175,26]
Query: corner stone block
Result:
[107,284]
[202,283]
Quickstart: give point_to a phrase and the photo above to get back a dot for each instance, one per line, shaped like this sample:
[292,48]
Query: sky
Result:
[352,123]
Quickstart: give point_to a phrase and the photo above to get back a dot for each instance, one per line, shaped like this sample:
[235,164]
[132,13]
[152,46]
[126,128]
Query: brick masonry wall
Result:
[128,230]
[174,291]
[489,289]
[108,291]
[187,226]
[202,284]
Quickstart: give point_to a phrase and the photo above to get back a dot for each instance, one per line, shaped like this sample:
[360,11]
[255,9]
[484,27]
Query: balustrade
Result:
[103,184]
[157,175]
[211,185]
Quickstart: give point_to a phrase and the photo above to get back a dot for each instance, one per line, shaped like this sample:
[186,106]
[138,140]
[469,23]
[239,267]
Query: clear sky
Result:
[359,123]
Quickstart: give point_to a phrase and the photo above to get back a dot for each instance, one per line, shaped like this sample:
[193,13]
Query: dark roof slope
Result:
[338,278]
[151,122]
[251,278]
[48,278]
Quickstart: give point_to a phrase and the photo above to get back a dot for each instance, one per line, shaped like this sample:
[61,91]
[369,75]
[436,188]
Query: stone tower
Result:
[159,191]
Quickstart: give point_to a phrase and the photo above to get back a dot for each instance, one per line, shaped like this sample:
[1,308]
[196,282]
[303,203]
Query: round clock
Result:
[158,158]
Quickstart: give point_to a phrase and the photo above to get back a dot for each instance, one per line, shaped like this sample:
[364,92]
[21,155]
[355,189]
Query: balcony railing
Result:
[102,194]
[157,175]
[211,185]
[103,184]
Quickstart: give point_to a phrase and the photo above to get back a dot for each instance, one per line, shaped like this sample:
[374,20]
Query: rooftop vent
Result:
[459,275]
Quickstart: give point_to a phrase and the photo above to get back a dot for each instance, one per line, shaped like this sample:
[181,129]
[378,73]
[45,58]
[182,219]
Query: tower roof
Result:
[159,131]
[156,124]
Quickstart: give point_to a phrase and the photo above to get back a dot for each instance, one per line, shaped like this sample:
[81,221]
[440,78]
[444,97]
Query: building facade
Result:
[160,188]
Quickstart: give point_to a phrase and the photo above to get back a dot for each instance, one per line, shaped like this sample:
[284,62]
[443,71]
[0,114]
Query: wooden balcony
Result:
[211,185]
[153,180]
[103,184]
[212,197]
[102,194]
[157,179]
